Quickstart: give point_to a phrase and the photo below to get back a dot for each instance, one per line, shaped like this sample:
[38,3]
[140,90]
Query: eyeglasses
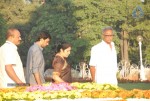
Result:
[109,35]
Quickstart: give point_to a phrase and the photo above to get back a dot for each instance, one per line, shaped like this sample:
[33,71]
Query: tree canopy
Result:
[79,22]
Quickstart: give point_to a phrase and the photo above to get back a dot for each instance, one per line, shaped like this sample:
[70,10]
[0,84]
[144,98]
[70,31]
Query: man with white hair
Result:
[103,61]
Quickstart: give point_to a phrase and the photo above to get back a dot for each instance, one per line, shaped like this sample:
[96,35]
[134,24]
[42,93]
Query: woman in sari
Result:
[62,70]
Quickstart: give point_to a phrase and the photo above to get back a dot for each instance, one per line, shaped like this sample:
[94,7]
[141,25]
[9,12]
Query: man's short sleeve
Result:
[93,57]
[9,56]
[36,60]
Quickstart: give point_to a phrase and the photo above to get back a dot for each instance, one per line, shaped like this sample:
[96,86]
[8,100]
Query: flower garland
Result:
[71,91]
[52,87]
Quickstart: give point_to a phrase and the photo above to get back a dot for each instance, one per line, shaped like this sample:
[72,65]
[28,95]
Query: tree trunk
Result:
[124,46]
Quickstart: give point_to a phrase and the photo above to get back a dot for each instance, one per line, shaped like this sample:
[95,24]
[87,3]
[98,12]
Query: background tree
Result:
[80,22]
[3,28]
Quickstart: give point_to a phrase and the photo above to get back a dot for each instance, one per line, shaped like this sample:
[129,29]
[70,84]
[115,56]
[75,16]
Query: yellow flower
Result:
[103,94]
[0,98]
[23,95]
[95,94]
[86,93]
[31,96]
[47,96]
[54,95]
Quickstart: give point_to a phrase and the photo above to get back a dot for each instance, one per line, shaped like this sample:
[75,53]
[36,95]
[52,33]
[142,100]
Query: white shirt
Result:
[9,55]
[105,61]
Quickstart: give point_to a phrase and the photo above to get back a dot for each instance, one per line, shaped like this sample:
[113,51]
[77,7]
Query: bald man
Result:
[11,69]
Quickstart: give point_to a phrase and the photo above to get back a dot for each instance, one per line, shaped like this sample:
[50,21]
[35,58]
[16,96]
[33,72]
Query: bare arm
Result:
[37,59]
[56,77]
[92,71]
[11,73]
[58,64]
[37,78]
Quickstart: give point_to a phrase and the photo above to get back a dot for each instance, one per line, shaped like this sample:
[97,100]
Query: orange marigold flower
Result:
[124,94]
[103,94]
[113,94]
[95,94]
[86,93]
[147,94]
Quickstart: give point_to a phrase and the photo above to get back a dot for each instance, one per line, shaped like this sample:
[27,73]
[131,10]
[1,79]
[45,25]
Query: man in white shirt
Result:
[11,69]
[103,61]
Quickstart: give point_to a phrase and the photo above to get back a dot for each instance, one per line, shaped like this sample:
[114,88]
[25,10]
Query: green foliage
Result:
[3,28]
[17,14]
[78,22]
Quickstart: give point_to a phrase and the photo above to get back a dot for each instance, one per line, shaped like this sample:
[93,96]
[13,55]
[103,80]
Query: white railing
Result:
[81,71]
[125,70]
[130,71]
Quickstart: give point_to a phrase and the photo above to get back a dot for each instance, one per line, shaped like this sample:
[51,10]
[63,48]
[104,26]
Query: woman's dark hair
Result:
[43,35]
[63,46]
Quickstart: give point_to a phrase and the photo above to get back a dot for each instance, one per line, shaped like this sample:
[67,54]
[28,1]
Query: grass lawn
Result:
[138,85]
